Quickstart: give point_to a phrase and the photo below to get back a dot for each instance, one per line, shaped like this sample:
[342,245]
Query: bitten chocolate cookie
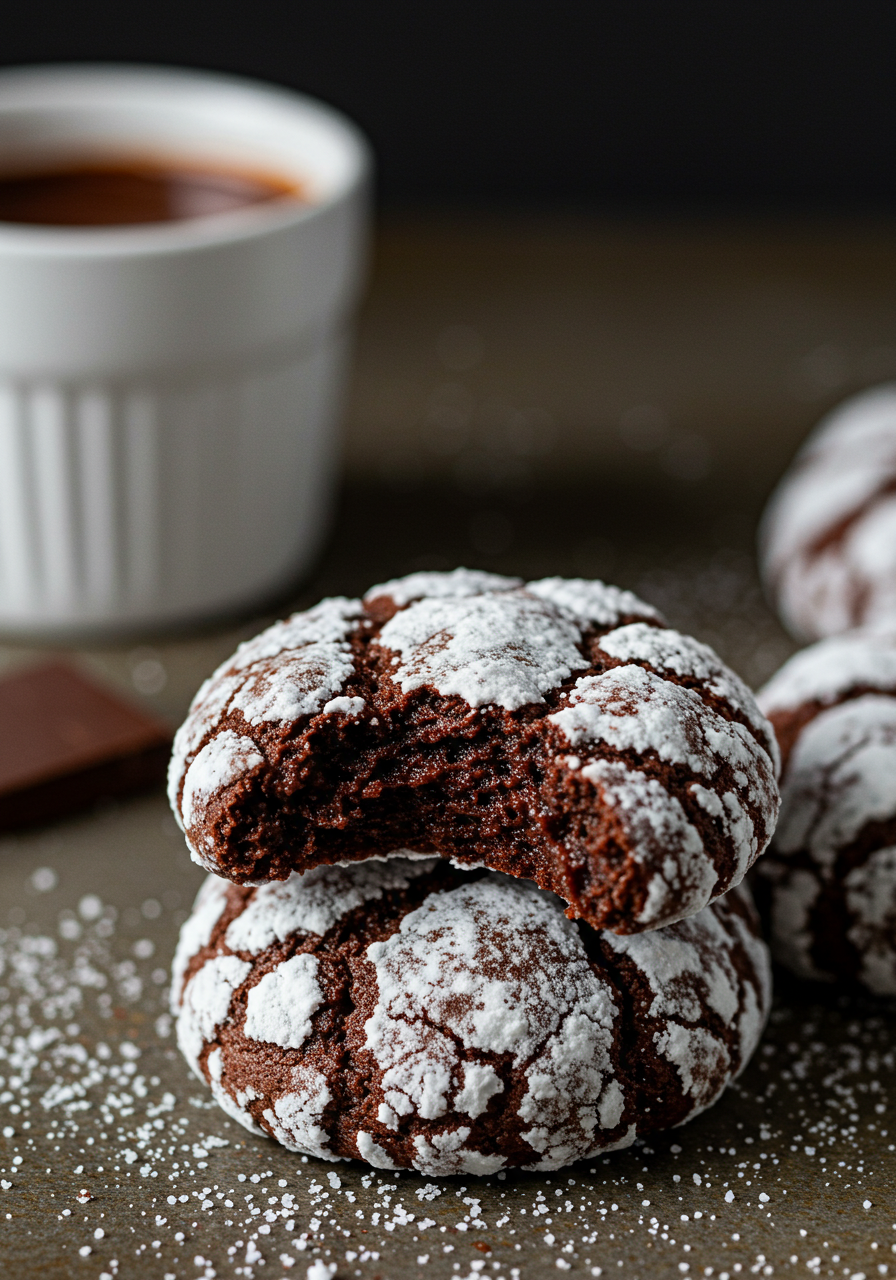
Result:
[829,877]
[828,538]
[555,731]
[416,1016]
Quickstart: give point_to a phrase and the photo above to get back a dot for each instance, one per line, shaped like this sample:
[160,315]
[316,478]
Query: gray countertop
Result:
[115,1162]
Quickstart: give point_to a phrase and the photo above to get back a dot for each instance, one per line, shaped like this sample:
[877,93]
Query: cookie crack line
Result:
[449,711]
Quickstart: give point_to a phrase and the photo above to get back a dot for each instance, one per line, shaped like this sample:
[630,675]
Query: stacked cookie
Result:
[397,796]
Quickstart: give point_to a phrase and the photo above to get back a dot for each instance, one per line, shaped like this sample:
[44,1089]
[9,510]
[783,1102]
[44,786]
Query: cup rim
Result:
[188,234]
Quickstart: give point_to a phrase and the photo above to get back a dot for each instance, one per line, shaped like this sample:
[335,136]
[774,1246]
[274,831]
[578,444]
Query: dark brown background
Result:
[774,104]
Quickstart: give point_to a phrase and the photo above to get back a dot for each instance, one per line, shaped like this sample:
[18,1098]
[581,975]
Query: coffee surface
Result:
[121,193]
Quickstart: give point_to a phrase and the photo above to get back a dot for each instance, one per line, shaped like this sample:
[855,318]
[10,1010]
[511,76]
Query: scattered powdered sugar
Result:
[221,762]
[456,585]
[506,650]
[828,670]
[592,601]
[315,901]
[841,775]
[279,1007]
[206,1004]
[150,1178]
[659,835]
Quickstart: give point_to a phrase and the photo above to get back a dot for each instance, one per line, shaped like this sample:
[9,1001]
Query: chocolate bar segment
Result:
[66,743]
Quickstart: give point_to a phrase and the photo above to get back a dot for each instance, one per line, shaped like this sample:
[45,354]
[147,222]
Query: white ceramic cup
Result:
[169,391]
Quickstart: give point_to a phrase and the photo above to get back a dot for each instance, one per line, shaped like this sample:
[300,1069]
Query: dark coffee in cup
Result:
[106,193]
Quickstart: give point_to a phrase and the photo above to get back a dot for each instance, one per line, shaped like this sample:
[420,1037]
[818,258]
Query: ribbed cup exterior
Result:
[143,502]
[168,391]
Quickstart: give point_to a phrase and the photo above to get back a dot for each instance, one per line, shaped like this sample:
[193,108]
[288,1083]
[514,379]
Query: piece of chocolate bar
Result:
[66,743]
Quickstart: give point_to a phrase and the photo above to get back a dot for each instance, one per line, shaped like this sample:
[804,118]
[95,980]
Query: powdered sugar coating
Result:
[438,670]
[692,970]
[871,900]
[660,836]
[830,874]
[279,1008]
[478,1030]
[290,669]
[221,762]
[205,1004]
[197,931]
[296,1117]
[543,1006]
[234,1106]
[667,650]
[503,650]
[841,776]
[456,585]
[829,534]
[597,603]
[632,709]
[314,902]
[829,670]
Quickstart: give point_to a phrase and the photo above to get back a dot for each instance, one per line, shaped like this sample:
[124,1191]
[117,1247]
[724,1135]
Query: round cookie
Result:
[414,1016]
[556,731]
[828,536]
[829,877]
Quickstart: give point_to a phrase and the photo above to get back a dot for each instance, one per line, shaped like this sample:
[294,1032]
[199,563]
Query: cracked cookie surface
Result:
[828,537]
[556,730]
[828,881]
[413,1015]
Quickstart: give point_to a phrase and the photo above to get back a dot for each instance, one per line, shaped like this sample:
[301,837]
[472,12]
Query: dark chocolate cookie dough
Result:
[413,1015]
[829,877]
[556,731]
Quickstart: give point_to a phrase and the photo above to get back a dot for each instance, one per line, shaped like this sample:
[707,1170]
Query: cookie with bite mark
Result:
[412,1015]
[556,731]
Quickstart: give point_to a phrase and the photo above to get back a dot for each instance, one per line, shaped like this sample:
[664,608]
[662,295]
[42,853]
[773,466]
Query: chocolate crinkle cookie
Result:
[554,730]
[413,1015]
[828,538]
[828,880]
